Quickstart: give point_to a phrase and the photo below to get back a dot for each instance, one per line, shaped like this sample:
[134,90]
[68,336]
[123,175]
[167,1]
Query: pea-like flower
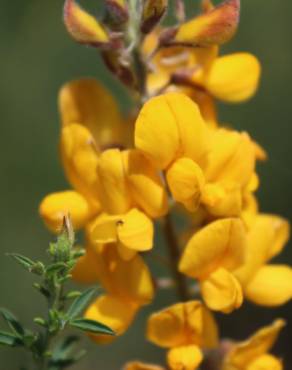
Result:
[185,329]
[211,256]
[212,168]
[128,286]
[121,184]
[253,354]
[263,283]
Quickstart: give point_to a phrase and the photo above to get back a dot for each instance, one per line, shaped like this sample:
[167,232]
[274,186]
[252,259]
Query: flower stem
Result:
[174,254]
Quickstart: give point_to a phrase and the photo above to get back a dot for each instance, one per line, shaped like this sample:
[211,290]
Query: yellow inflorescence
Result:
[128,173]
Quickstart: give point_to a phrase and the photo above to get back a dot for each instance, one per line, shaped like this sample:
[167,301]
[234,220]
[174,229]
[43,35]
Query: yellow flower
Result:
[231,78]
[185,329]
[128,286]
[211,256]
[90,120]
[263,283]
[252,354]
[127,180]
[202,166]
[112,181]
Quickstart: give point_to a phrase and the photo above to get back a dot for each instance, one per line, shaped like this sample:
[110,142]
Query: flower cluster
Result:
[173,156]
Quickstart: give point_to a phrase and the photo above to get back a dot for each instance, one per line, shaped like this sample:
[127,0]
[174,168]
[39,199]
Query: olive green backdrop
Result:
[36,58]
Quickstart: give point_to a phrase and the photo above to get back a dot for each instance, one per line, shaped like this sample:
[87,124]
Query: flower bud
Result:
[117,11]
[215,26]
[83,27]
[153,11]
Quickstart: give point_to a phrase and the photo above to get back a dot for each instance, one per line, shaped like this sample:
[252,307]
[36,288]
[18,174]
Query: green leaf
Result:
[12,321]
[91,326]
[56,267]
[8,339]
[25,262]
[80,303]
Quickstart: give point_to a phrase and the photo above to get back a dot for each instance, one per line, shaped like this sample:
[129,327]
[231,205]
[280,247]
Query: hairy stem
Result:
[174,254]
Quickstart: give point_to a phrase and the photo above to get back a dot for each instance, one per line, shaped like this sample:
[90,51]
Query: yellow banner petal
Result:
[80,160]
[89,103]
[182,323]
[220,244]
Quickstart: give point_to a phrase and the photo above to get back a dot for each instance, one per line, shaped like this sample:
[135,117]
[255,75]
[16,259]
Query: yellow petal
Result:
[266,362]
[145,184]
[234,78]
[216,26]
[113,192]
[83,27]
[80,159]
[89,103]
[112,312]
[186,181]
[86,271]
[169,125]
[266,238]
[181,323]
[184,358]
[54,207]
[260,343]
[270,286]
[103,229]
[231,158]
[141,366]
[222,200]
[135,231]
[221,291]
[220,244]
[156,132]
[129,280]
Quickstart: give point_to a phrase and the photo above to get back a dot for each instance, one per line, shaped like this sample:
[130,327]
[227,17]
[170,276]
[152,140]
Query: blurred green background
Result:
[37,57]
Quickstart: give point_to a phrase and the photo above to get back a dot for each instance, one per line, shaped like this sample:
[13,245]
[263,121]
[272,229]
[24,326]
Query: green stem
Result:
[174,254]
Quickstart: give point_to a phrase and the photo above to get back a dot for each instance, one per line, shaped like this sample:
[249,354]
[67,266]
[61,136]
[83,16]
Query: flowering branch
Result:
[47,355]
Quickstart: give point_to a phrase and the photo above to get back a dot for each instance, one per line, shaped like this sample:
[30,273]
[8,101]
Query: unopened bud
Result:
[153,11]
[117,10]
[215,27]
[83,27]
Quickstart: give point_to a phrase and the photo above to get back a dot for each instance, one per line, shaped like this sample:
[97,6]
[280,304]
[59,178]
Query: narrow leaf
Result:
[7,339]
[91,326]
[25,262]
[80,303]
[12,321]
